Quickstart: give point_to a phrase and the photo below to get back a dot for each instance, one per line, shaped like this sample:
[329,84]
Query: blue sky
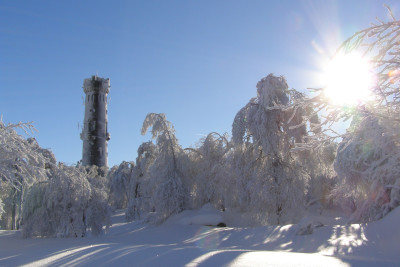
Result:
[196,61]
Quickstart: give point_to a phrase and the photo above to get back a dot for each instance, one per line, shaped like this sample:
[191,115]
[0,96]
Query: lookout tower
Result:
[95,133]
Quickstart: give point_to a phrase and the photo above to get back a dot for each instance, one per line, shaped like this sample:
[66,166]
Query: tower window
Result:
[92,126]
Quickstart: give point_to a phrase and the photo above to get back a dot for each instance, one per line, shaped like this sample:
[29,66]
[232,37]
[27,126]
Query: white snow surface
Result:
[207,216]
[186,240]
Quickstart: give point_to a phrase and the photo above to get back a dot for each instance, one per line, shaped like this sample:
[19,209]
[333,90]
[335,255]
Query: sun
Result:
[348,79]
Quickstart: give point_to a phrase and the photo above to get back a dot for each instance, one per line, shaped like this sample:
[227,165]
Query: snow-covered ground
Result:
[186,240]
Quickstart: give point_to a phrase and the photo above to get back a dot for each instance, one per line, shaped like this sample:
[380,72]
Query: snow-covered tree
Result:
[98,213]
[206,170]
[62,210]
[72,201]
[140,189]
[17,154]
[46,199]
[318,164]
[119,178]
[22,164]
[371,148]
[368,164]
[270,182]
[35,214]
[165,177]
[1,208]
[367,158]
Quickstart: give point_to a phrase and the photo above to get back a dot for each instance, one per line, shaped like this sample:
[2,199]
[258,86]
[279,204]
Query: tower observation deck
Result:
[95,133]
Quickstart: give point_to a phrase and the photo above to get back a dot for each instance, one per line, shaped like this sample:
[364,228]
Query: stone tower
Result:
[95,133]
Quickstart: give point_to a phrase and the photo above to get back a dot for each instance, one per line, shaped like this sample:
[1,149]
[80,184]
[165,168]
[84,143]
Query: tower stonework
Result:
[95,133]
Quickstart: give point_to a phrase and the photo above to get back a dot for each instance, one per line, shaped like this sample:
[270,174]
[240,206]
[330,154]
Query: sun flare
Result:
[348,79]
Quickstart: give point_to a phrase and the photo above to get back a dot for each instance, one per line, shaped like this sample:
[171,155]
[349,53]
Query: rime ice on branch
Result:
[95,134]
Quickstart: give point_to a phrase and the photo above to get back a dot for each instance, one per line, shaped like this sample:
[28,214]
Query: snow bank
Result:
[184,240]
[206,216]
